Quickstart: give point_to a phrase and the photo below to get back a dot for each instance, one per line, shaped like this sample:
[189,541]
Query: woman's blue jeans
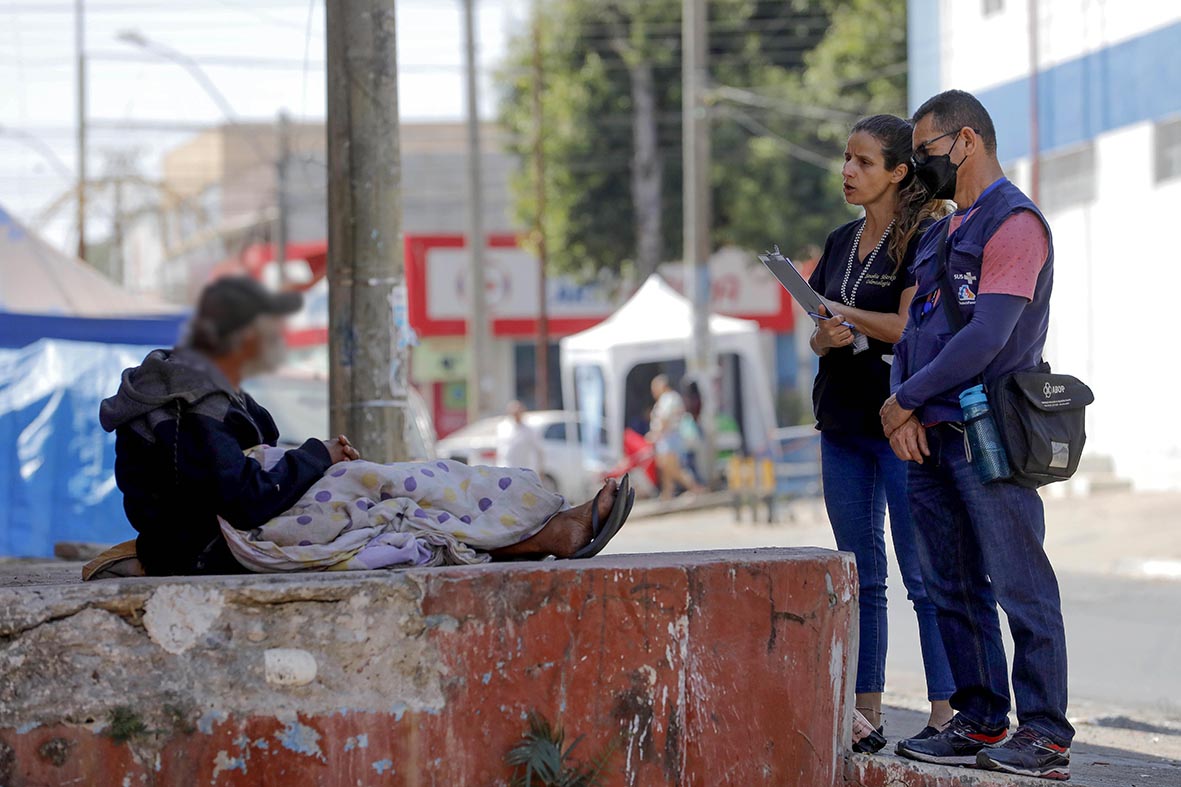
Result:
[861,476]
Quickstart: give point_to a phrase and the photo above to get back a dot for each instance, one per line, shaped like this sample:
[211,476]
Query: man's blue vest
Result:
[927,329]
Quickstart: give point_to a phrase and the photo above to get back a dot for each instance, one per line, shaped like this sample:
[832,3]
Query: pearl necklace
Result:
[850,299]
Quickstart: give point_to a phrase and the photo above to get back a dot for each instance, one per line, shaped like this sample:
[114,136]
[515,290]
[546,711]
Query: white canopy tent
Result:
[654,327]
[47,294]
[36,278]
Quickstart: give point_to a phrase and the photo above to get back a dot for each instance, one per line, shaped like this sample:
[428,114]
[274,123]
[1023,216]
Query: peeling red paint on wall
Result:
[720,669]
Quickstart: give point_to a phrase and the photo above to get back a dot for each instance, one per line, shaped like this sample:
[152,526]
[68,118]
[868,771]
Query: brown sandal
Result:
[118,561]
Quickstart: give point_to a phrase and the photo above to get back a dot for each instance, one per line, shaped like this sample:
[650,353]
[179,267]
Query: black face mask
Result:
[938,174]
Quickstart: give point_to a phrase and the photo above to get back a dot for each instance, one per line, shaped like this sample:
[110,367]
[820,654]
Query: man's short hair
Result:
[952,110]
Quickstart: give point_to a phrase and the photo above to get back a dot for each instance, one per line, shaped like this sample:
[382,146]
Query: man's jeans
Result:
[861,474]
[981,544]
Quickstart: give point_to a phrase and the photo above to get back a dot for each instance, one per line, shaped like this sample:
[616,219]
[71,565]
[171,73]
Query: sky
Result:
[262,55]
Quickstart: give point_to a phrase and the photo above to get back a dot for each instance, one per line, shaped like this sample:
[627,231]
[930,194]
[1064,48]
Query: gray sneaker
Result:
[1028,753]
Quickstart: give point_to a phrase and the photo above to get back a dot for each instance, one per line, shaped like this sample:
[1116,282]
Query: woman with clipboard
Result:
[864,279]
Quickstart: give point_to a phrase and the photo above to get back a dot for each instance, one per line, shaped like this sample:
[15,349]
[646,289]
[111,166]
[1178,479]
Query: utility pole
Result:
[477,322]
[1035,168]
[283,131]
[542,372]
[117,264]
[80,88]
[369,336]
[696,201]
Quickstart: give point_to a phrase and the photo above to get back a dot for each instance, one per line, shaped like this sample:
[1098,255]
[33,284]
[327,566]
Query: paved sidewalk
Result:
[1110,538]
[1121,533]
[1100,757]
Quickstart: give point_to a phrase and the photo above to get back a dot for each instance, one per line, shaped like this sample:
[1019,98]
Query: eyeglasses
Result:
[921,156]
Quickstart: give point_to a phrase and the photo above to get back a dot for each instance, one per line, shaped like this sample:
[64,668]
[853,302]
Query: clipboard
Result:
[797,286]
[786,274]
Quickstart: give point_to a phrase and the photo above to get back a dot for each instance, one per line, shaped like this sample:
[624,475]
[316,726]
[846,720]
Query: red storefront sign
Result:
[438,289]
[437,280]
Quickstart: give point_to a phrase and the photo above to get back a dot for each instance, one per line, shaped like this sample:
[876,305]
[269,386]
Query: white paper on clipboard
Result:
[791,279]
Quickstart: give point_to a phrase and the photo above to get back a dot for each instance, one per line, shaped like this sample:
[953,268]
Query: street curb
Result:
[864,770]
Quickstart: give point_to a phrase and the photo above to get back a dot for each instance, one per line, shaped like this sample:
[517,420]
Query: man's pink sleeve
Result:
[1014,256]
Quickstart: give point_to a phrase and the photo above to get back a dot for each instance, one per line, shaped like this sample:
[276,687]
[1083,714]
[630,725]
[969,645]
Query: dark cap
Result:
[234,302]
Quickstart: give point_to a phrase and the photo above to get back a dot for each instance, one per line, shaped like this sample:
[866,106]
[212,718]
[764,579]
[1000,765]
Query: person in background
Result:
[691,431]
[517,444]
[665,434]
[864,276]
[981,544]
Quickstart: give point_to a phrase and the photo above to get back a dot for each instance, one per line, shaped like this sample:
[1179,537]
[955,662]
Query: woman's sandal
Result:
[866,740]
[604,531]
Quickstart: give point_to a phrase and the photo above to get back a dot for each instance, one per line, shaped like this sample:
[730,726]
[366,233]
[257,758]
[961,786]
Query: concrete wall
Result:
[688,669]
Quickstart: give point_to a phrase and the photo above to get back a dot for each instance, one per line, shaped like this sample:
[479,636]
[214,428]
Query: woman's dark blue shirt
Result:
[850,388]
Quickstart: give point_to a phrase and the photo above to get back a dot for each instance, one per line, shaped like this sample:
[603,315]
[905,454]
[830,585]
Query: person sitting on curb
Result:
[189,447]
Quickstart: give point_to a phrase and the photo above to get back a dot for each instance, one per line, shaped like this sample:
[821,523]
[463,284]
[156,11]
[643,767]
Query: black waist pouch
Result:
[1041,419]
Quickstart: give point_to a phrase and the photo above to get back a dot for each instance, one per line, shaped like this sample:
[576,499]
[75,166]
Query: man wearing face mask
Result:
[182,422]
[979,544]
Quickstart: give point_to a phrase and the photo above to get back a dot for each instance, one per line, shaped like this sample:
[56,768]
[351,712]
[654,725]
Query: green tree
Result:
[790,78]
[785,183]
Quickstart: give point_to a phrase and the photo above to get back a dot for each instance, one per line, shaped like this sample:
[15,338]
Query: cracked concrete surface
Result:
[72,652]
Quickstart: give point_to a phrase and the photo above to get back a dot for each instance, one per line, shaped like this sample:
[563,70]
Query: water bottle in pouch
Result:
[982,441]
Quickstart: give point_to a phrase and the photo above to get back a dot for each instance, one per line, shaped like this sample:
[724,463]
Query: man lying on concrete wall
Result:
[208,493]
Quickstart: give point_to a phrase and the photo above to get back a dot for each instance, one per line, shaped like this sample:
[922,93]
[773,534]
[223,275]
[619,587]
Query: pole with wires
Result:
[1035,173]
[477,321]
[542,368]
[80,96]
[369,332]
[696,199]
[283,146]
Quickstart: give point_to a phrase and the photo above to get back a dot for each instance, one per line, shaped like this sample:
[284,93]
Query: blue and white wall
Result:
[1109,114]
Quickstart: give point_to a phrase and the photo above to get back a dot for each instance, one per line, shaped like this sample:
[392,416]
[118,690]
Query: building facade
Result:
[222,187]
[1107,131]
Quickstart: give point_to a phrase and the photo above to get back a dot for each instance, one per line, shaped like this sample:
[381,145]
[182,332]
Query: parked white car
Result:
[571,468]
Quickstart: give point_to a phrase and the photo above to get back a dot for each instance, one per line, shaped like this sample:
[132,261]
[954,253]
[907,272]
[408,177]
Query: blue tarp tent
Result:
[57,478]
[69,333]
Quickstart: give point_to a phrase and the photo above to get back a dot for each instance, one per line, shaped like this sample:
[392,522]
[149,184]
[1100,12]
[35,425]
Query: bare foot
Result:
[567,531]
[574,527]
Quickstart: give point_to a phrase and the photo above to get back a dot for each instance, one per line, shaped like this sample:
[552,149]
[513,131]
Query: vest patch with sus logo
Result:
[964,293]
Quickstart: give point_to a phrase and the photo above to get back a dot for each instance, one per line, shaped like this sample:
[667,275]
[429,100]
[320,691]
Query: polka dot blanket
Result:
[363,515]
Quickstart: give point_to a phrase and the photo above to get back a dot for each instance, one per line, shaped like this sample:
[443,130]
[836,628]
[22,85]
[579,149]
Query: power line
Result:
[793,149]
[253,9]
[92,7]
[782,105]
[307,43]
